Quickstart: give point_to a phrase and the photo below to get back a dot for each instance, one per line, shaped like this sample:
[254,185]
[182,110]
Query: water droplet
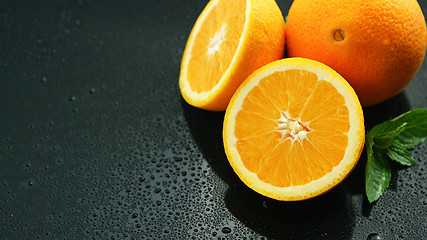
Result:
[44,79]
[72,99]
[92,90]
[226,230]
[267,205]
[374,236]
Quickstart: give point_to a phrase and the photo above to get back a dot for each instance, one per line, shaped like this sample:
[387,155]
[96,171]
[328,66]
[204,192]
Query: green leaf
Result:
[391,139]
[398,153]
[415,132]
[385,133]
[369,143]
[377,174]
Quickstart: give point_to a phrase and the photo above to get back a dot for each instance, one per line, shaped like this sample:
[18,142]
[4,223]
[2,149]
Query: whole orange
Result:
[376,45]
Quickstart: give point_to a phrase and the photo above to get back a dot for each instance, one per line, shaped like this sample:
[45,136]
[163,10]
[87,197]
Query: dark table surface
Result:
[96,141]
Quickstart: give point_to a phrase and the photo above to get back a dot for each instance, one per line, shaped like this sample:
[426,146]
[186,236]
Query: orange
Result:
[293,130]
[229,41]
[376,45]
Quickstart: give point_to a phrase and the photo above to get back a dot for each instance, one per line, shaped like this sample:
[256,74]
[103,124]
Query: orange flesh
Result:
[216,45]
[282,159]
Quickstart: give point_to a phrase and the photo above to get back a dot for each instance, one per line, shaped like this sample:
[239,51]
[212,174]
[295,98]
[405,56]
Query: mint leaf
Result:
[398,153]
[415,131]
[378,174]
[392,139]
[369,143]
[385,133]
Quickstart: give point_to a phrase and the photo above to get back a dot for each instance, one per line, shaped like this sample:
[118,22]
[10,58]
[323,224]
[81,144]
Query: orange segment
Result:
[293,130]
[229,41]
[221,31]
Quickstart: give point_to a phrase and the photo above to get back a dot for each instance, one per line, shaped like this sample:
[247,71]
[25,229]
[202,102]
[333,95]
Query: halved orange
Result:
[293,130]
[230,40]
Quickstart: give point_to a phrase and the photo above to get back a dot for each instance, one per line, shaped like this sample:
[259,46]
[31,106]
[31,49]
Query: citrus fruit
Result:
[293,130]
[229,41]
[376,45]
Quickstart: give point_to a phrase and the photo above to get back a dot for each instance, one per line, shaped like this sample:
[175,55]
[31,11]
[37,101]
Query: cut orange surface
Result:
[229,41]
[293,130]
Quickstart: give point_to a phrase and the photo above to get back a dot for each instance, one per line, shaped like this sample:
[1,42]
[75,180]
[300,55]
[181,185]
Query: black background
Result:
[96,141]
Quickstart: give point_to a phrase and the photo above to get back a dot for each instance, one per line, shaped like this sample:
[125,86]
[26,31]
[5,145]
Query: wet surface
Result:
[96,141]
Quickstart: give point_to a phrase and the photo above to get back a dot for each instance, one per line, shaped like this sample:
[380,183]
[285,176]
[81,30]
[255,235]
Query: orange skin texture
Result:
[381,49]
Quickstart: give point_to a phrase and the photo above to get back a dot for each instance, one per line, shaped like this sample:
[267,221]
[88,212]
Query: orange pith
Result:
[293,130]
[224,32]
